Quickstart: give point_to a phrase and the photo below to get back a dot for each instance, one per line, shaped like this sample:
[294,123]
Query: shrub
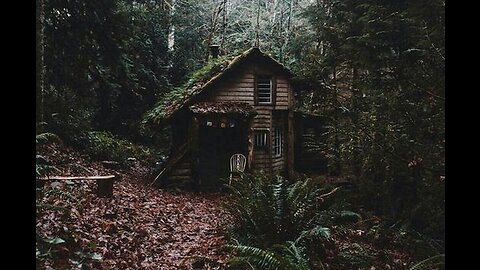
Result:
[103,145]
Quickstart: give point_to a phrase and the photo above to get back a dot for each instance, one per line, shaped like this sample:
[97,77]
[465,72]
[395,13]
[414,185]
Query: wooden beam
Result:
[61,178]
[250,134]
[290,147]
[270,144]
[194,145]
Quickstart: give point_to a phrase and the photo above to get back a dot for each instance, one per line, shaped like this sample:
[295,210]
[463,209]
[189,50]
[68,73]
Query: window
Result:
[261,138]
[264,90]
[277,142]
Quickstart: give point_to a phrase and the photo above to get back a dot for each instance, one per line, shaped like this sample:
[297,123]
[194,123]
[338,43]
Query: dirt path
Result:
[141,227]
[164,229]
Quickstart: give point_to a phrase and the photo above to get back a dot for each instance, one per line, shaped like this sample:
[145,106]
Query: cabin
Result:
[242,104]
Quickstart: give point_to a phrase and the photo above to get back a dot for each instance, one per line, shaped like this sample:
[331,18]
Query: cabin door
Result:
[216,146]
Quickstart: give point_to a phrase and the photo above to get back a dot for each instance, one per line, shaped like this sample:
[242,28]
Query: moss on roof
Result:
[240,108]
[200,80]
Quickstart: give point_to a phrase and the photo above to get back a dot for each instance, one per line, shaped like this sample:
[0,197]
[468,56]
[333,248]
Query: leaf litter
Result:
[140,227]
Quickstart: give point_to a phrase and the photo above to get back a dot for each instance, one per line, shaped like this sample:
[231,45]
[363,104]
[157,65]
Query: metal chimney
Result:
[214,50]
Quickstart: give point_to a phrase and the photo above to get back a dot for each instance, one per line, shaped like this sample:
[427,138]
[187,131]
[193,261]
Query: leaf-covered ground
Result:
[141,227]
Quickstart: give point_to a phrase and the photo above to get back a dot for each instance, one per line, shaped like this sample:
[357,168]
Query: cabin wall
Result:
[240,88]
[261,156]
[282,98]
[182,172]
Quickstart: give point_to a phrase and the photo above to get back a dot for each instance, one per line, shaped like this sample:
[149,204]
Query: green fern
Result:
[276,222]
[256,258]
[286,256]
[46,138]
[434,262]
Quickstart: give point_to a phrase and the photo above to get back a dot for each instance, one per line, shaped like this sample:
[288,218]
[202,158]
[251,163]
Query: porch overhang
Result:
[238,109]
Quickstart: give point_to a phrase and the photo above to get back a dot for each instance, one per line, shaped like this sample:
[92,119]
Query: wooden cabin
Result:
[239,105]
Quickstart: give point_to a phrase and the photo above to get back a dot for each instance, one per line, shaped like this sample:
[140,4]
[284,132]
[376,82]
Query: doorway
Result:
[216,146]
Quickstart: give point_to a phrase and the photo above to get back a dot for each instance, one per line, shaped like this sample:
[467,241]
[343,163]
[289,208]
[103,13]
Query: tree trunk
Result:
[40,26]
[171,31]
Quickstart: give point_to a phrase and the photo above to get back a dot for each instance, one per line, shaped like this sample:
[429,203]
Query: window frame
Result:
[273,86]
[266,138]
[277,142]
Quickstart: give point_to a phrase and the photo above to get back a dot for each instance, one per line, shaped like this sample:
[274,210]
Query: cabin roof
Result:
[202,80]
[223,108]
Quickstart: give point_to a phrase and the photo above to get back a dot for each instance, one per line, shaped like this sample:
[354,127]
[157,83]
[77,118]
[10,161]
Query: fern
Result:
[296,258]
[434,262]
[255,257]
[276,222]
[45,138]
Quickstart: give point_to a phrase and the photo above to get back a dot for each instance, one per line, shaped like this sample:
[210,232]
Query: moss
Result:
[175,98]
[178,97]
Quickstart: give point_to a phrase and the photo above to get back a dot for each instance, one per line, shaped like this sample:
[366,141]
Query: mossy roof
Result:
[202,80]
[239,108]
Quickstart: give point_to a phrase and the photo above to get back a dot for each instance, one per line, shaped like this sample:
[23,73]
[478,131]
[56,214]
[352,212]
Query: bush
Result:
[103,145]
[71,126]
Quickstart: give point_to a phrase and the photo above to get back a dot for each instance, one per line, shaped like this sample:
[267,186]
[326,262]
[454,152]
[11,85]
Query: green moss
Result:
[176,99]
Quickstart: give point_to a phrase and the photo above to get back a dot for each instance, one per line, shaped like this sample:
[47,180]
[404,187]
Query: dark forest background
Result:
[375,70]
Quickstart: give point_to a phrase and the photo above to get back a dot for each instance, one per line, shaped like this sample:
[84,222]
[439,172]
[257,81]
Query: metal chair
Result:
[237,165]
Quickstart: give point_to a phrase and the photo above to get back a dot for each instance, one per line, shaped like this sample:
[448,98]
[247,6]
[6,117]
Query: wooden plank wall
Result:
[240,88]
[282,94]
[182,172]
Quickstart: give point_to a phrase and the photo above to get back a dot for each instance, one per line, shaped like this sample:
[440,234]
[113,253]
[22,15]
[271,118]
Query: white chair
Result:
[237,165]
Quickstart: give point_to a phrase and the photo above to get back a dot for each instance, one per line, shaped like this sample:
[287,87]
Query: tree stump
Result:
[105,187]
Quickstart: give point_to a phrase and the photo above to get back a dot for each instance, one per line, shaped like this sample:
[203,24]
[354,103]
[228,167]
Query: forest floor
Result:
[141,227]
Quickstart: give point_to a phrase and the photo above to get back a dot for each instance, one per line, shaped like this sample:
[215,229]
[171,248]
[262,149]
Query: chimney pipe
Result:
[214,50]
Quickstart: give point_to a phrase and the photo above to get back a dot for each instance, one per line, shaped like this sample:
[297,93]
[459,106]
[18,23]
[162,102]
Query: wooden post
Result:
[250,143]
[105,187]
[194,137]
[270,143]
[290,140]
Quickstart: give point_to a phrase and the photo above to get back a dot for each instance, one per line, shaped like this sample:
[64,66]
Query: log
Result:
[111,164]
[96,177]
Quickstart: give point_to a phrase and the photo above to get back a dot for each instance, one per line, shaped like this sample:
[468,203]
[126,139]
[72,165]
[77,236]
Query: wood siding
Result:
[235,89]
[182,172]
[241,88]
